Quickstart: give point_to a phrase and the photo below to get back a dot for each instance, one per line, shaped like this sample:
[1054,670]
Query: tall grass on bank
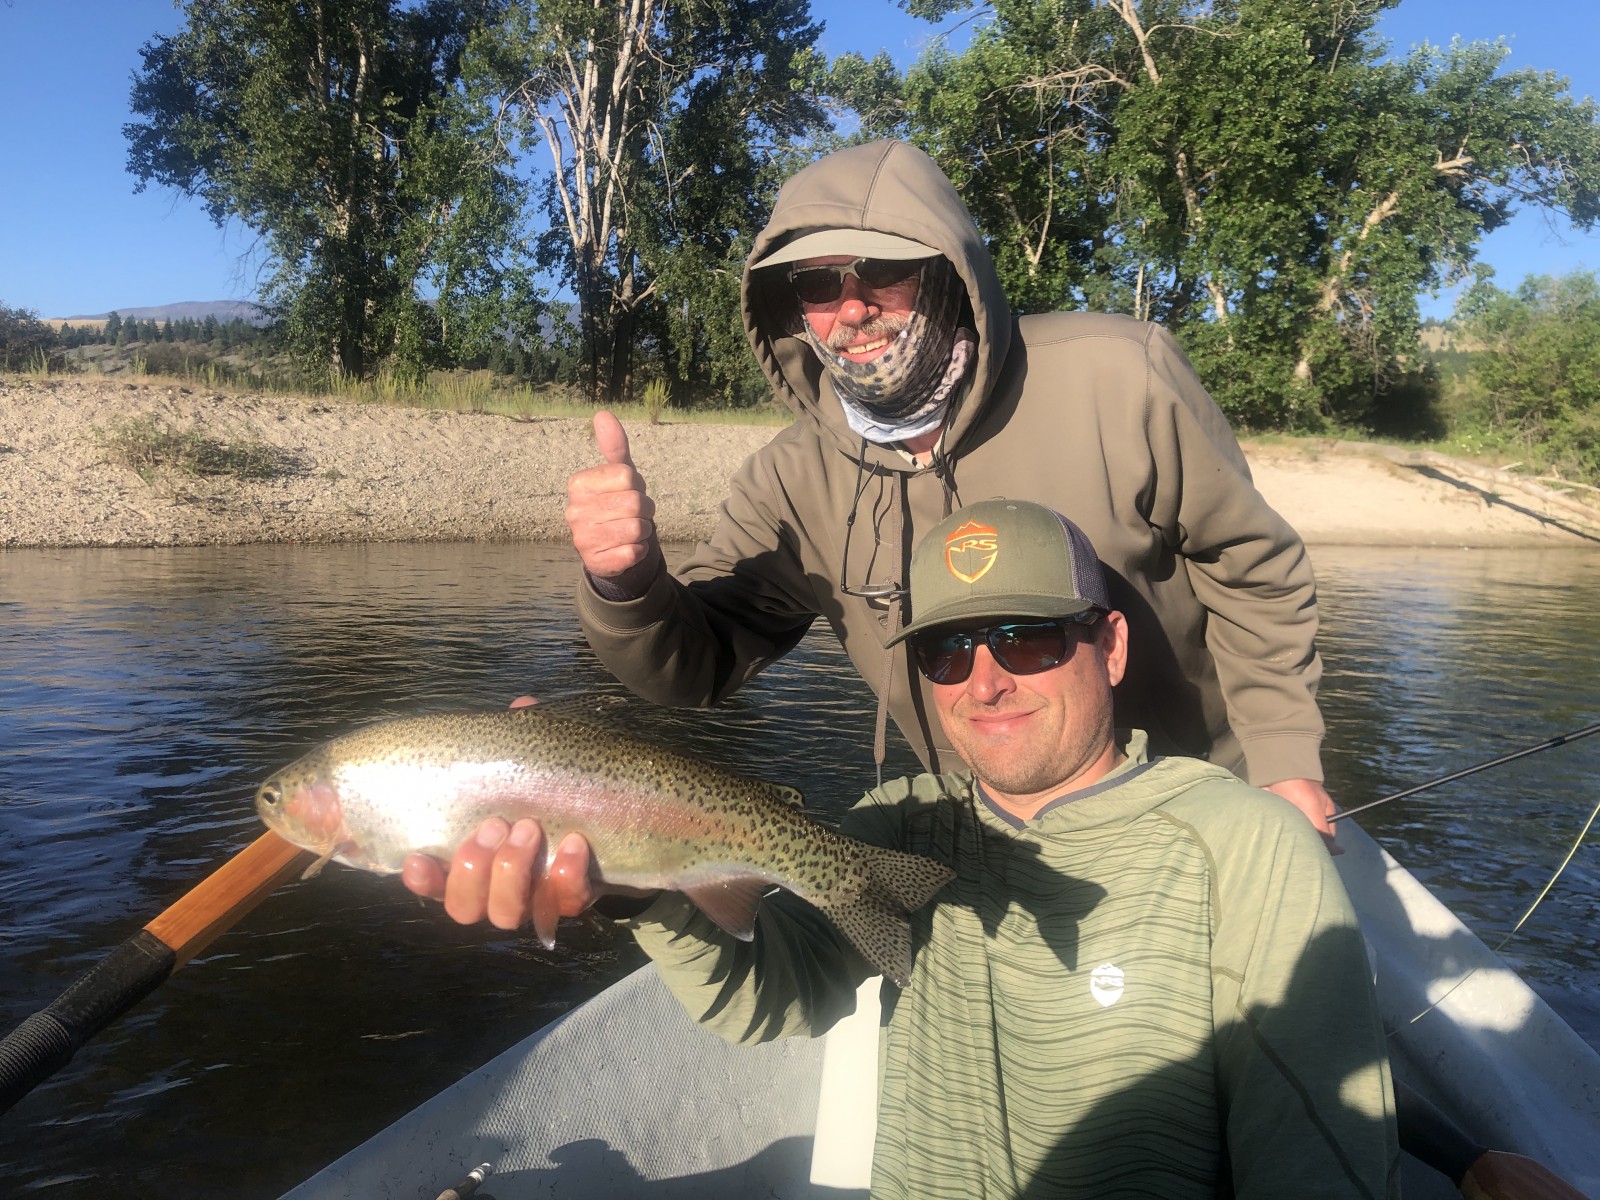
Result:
[148,446]
[486,392]
[461,391]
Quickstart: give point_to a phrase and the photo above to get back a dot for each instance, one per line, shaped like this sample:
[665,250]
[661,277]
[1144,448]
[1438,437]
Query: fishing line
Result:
[1559,740]
[1537,900]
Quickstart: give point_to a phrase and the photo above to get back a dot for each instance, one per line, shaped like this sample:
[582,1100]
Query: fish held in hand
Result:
[653,819]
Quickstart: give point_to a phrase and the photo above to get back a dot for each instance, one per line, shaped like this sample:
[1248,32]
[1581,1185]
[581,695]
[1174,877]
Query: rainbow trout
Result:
[653,819]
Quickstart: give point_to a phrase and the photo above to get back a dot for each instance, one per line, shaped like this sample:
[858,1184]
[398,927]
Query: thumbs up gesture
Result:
[611,518]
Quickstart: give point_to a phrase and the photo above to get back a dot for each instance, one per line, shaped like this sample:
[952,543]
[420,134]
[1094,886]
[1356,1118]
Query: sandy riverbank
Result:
[369,473]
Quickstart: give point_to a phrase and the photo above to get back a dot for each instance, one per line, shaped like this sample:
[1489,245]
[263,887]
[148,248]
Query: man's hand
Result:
[500,874]
[611,518]
[1311,798]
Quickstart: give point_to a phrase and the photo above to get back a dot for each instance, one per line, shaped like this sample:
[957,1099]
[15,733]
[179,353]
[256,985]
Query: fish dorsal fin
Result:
[602,712]
[782,793]
[731,903]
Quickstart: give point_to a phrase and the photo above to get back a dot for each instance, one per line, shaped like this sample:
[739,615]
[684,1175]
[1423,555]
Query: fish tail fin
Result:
[875,919]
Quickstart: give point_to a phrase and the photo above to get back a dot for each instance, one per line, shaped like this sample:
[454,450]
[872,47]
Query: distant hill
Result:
[197,310]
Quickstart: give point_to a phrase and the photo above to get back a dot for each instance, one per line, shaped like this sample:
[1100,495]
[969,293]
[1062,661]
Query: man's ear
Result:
[1112,640]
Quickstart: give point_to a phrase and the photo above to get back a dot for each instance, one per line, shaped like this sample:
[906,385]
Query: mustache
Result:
[966,707]
[842,338]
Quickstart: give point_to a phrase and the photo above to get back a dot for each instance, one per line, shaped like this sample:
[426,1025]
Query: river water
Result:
[145,693]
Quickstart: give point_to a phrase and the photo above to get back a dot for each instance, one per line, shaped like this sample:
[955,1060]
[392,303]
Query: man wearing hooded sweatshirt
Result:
[875,311]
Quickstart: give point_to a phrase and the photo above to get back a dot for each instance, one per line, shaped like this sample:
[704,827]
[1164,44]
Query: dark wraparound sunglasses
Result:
[824,285]
[1020,647]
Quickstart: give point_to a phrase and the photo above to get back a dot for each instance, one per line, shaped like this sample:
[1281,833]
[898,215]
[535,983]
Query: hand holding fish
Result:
[500,875]
[609,514]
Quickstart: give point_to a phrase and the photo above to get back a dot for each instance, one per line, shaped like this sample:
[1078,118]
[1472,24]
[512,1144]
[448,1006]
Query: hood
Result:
[888,187]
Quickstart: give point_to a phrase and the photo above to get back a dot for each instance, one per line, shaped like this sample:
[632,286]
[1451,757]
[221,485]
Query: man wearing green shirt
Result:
[1145,979]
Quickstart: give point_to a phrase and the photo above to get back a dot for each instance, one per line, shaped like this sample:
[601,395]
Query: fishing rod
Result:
[1559,740]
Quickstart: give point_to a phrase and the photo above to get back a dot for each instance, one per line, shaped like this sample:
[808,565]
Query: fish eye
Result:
[271,795]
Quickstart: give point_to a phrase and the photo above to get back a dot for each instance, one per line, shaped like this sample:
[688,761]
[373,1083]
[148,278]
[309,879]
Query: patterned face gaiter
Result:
[903,392]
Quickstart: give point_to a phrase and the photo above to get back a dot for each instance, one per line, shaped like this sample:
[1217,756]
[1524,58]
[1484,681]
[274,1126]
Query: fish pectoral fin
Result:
[316,868]
[731,903]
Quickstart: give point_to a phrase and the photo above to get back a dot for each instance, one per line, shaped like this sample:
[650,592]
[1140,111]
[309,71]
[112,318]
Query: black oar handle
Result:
[46,1041]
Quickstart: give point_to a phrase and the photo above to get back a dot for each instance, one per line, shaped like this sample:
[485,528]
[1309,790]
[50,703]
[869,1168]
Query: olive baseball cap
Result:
[1002,558]
[858,243]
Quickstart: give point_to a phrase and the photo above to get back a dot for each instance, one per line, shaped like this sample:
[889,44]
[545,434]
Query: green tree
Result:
[26,341]
[1250,172]
[113,328]
[1537,360]
[328,128]
[659,121]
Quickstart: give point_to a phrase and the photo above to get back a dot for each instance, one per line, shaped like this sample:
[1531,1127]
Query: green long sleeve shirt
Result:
[1156,987]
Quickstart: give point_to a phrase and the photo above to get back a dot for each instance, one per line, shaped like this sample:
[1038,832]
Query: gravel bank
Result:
[357,472]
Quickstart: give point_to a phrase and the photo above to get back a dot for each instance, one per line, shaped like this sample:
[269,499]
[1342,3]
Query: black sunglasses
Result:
[824,285]
[1020,647]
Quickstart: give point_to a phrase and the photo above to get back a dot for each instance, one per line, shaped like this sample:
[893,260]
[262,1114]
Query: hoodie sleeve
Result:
[1247,567]
[741,601]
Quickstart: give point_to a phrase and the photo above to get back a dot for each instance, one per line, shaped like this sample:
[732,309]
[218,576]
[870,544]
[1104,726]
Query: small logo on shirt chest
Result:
[1105,984]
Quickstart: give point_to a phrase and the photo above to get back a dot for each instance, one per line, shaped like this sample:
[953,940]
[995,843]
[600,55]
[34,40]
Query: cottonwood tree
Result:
[1252,172]
[1536,356]
[332,129]
[659,121]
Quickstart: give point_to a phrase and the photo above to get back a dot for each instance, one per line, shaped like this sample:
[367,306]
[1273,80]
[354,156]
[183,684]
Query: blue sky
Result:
[75,239]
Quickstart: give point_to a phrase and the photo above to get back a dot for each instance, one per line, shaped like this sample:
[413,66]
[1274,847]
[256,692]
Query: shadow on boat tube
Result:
[606,1171]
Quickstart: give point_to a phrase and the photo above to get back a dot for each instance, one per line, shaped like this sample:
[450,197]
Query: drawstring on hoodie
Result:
[880,733]
[893,595]
[944,469]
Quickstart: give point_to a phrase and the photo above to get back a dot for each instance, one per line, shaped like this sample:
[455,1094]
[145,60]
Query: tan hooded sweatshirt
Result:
[1099,417]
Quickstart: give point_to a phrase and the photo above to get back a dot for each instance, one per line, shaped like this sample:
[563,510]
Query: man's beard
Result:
[885,327]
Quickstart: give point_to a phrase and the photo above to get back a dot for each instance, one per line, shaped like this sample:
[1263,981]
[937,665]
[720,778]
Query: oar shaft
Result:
[224,896]
[1558,740]
[46,1041]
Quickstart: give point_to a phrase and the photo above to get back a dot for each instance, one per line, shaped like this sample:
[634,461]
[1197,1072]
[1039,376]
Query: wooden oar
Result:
[46,1041]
